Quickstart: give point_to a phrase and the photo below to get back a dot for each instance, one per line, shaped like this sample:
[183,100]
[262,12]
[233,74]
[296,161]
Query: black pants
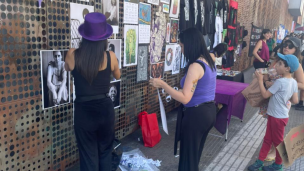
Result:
[258,65]
[94,130]
[195,126]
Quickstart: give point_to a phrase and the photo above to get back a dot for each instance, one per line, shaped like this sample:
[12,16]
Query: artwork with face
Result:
[157,70]
[114,93]
[131,43]
[176,60]
[55,79]
[77,14]
[173,31]
[158,34]
[142,66]
[169,55]
[111,11]
[114,45]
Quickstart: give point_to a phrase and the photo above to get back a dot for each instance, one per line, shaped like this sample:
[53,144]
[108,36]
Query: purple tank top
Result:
[264,52]
[205,89]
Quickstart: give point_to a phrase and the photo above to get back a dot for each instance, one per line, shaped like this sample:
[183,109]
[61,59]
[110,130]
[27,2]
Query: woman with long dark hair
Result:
[197,113]
[91,66]
[261,51]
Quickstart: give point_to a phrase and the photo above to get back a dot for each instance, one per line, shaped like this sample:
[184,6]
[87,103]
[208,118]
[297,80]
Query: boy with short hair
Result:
[283,90]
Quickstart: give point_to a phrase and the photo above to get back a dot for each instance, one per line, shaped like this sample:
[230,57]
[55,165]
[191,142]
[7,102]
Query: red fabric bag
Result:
[149,128]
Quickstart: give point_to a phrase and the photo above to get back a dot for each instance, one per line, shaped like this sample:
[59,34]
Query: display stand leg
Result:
[226,131]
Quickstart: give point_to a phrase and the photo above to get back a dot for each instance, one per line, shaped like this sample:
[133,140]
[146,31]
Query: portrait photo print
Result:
[114,93]
[111,11]
[55,79]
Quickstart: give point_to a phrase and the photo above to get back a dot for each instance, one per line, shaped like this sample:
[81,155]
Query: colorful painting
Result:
[144,13]
[157,70]
[176,61]
[169,55]
[158,34]
[131,43]
[173,31]
[174,9]
[165,8]
[168,33]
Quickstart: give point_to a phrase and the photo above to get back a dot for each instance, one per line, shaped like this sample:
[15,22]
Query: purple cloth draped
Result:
[230,95]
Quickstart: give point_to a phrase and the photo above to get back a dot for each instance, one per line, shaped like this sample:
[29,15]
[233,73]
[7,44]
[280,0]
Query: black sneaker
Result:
[258,165]
[299,107]
[273,167]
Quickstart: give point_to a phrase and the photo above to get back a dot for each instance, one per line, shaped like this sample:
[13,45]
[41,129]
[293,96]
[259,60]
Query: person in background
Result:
[270,44]
[217,52]
[92,66]
[197,113]
[261,51]
[283,90]
[278,47]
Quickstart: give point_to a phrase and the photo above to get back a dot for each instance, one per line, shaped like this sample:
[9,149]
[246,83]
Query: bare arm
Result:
[114,66]
[50,85]
[212,56]
[299,76]
[255,51]
[69,60]
[294,98]
[265,93]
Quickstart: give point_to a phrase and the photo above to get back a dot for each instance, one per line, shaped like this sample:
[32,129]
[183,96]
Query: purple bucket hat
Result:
[95,27]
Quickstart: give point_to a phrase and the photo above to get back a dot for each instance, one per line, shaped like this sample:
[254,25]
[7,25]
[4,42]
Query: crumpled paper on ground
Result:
[135,160]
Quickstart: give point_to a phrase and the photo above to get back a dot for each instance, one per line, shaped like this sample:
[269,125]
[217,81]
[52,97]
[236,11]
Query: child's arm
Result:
[265,93]
[294,98]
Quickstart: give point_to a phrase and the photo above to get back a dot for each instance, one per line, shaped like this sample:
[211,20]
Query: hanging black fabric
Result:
[229,62]
[224,13]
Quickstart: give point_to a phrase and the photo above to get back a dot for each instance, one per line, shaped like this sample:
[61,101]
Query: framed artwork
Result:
[111,11]
[176,60]
[173,30]
[77,14]
[114,45]
[55,80]
[165,1]
[131,44]
[157,70]
[144,13]
[114,93]
[142,66]
[165,8]
[154,2]
[169,55]
[168,33]
[174,9]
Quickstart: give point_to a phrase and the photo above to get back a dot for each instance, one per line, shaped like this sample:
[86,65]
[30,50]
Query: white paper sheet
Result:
[130,13]
[144,33]
[163,114]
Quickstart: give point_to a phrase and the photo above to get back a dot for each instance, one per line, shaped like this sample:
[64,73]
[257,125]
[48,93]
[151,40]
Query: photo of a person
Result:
[157,70]
[114,93]
[55,81]
[114,45]
[111,11]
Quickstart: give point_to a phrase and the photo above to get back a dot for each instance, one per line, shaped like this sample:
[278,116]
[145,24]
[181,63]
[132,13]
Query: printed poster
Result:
[142,66]
[144,13]
[174,9]
[176,60]
[144,33]
[131,44]
[114,45]
[130,11]
[169,55]
[111,11]
[154,2]
[157,70]
[174,30]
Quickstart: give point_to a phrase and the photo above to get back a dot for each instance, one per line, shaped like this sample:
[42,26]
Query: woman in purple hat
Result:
[92,66]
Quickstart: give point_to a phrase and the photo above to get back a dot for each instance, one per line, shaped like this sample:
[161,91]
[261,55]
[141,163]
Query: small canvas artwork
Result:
[144,13]
[142,66]
[55,80]
[114,45]
[114,93]
[173,31]
[174,9]
[165,8]
[169,55]
[157,70]
[176,60]
[131,44]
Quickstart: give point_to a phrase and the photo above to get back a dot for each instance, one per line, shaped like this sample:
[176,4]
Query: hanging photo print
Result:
[169,55]
[130,43]
[165,1]
[77,14]
[174,9]
[157,70]
[158,34]
[130,11]
[183,61]
[142,66]
[114,45]
[55,80]
[114,93]
[111,11]
[176,60]
[173,31]
[168,33]
[154,2]
[165,8]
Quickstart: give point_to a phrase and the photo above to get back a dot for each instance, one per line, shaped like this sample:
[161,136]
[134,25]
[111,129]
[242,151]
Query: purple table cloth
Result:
[229,94]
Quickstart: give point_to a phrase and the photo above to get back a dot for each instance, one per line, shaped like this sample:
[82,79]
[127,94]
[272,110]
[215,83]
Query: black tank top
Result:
[100,84]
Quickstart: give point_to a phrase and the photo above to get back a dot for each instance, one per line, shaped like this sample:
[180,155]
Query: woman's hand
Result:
[259,76]
[262,60]
[268,84]
[156,82]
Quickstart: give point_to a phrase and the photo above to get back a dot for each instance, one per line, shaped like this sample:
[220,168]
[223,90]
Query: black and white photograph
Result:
[55,79]
[114,93]
[114,45]
[111,11]
[77,14]
[142,63]
[176,60]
